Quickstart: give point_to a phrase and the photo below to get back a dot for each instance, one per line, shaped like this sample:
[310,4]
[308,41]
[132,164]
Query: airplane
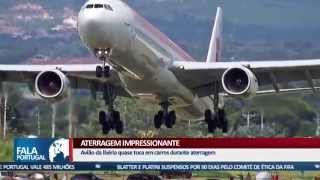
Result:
[139,61]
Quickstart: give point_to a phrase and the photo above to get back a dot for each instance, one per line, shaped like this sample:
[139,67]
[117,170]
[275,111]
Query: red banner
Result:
[197,143]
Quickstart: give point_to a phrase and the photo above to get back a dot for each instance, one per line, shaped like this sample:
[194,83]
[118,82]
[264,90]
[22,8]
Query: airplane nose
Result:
[95,29]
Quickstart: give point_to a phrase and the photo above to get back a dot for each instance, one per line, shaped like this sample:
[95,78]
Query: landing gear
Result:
[170,119]
[210,120]
[99,71]
[218,118]
[165,117]
[222,121]
[104,70]
[111,119]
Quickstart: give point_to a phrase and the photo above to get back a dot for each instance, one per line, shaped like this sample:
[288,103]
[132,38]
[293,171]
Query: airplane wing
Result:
[272,76]
[81,76]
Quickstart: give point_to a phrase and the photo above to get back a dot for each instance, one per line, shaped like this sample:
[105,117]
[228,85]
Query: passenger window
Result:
[108,7]
[89,6]
[98,6]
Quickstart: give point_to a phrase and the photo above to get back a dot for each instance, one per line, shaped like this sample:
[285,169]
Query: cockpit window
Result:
[108,7]
[98,6]
[105,6]
[89,6]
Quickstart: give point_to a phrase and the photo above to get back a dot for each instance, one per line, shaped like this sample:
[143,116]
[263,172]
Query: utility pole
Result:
[317,119]
[1,117]
[38,121]
[2,93]
[4,117]
[248,116]
[73,111]
[53,120]
[1,114]
[70,117]
[262,119]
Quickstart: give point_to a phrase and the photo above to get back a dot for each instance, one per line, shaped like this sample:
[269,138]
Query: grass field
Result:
[6,149]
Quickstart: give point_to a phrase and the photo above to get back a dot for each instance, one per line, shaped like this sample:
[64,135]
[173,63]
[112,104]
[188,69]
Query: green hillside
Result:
[271,13]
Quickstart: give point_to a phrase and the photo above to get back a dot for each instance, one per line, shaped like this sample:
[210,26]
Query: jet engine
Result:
[240,81]
[52,85]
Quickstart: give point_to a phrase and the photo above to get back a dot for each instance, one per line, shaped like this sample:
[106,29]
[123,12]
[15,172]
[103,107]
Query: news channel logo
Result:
[41,150]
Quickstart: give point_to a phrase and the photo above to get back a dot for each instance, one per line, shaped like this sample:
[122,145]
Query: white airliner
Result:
[139,61]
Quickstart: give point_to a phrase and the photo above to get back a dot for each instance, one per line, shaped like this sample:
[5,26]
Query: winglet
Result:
[215,48]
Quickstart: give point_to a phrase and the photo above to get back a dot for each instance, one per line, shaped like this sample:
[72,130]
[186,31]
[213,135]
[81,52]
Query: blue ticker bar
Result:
[163,166]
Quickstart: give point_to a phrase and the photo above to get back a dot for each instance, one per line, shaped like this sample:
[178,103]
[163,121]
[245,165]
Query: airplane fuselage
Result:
[141,55]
